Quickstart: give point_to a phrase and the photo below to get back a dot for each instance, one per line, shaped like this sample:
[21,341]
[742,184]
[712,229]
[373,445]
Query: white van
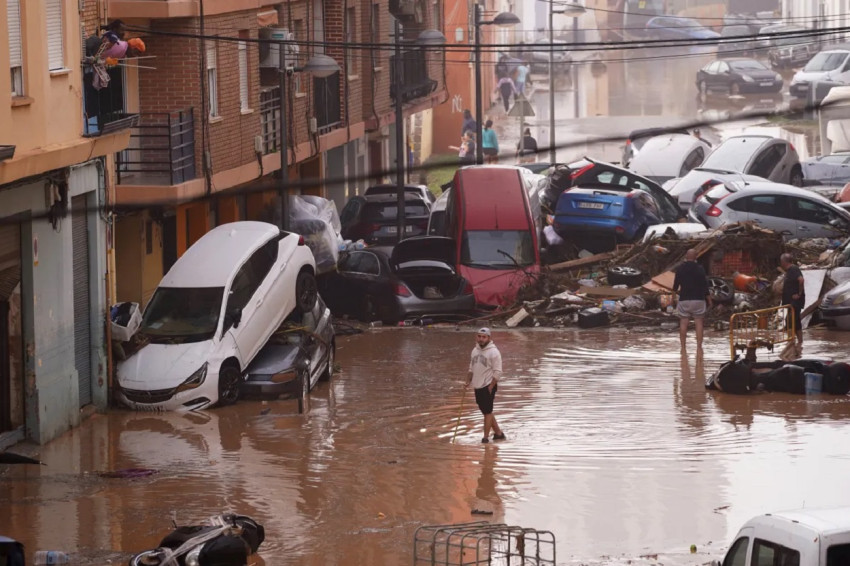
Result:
[832,65]
[212,313]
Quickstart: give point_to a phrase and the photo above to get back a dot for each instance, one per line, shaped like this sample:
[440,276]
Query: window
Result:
[55,35]
[771,554]
[768,205]
[251,275]
[497,249]
[361,262]
[838,555]
[722,68]
[350,39]
[712,68]
[318,26]
[298,36]
[212,81]
[16,60]
[767,160]
[737,555]
[375,38]
[808,211]
[244,102]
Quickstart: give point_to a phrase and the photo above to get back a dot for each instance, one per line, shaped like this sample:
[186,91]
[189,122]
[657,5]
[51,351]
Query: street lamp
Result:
[320,66]
[427,38]
[572,10]
[504,19]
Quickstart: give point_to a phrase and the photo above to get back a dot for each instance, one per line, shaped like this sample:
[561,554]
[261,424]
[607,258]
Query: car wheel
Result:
[734,89]
[796,176]
[721,292]
[306,291]
[328,374]
[148,558]
[229,378]
[623,275]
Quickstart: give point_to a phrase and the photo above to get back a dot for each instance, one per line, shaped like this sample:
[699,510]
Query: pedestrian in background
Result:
[485,370]
[691,285]
[469,123]
[526,149]
[490,143]
[522,77]
[794,294]
[466,149]
[506,88]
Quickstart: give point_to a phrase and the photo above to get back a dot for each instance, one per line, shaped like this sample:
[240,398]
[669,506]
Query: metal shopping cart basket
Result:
[763,328]
[471,544]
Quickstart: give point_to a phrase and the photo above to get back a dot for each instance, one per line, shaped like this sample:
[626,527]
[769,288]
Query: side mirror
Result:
[233,318]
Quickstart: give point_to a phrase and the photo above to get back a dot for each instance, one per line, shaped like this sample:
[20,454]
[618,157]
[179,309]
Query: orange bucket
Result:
[745,283]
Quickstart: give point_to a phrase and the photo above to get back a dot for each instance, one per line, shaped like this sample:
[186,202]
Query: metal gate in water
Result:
[82,303]
[480,543]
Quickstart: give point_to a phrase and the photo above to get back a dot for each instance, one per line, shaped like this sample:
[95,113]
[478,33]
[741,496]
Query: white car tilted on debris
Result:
[212,312]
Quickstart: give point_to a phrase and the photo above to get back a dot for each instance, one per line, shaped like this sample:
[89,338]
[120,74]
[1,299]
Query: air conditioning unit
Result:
[291,49]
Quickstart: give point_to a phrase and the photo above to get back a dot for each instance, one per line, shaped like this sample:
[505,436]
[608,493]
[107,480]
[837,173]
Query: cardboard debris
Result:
[596,258]
[517,318]
[662,283]
[606,291]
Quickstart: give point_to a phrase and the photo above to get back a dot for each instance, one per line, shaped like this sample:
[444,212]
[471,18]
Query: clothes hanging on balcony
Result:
[107,53]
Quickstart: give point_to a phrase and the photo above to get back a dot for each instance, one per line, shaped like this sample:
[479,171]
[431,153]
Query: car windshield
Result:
[794,40]
[387,211]
[733,154]
[748,65]
[497,249]
[182,314]
[825,61]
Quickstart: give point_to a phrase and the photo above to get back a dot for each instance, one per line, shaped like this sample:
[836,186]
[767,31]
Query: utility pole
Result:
[401,154]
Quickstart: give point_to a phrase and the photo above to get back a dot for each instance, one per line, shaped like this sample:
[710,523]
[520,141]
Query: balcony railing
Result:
[161,152]
[326,103]
[104,109]
[414,80]
[270,119]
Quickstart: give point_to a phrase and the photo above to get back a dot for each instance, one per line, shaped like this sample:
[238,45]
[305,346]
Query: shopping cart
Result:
[471,544]
[763,328]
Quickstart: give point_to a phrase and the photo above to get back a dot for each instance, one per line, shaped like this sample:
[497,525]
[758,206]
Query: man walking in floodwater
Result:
[485,369]
[691,285]
[794,294]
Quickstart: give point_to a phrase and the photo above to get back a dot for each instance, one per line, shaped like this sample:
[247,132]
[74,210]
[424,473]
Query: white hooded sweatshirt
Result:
[485,365]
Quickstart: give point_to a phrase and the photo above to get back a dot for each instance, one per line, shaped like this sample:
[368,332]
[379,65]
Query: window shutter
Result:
[13,12]
[243,75]
[55,35]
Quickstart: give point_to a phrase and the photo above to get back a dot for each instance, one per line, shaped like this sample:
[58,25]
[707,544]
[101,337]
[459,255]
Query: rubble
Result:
[742,261]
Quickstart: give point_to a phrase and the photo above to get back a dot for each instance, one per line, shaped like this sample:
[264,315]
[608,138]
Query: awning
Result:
[267,18]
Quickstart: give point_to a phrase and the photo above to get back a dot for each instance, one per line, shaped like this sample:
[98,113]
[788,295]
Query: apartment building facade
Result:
[207,148]
[54,225]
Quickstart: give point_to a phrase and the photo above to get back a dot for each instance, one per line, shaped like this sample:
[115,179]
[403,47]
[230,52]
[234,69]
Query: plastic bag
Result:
[125,320]
[317,220]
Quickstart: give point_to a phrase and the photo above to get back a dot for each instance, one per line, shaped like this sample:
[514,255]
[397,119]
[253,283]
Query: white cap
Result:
[485,331]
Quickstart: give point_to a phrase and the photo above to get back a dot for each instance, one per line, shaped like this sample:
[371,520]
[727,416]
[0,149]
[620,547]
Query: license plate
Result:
[768,83]
[595,205]
[408,229]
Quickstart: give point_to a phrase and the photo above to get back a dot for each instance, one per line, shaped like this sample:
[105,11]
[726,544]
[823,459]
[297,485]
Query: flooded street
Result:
[613,444]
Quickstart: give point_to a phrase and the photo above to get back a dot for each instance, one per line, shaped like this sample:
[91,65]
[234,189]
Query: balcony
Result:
[326,103]
[415,82]
[161,151]
[104,109]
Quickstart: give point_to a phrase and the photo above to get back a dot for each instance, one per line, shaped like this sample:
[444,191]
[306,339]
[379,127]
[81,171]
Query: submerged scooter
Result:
[226,540]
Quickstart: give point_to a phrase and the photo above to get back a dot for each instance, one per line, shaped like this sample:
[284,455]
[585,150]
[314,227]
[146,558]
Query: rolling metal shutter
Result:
[13,14]
[10,259]
[82,305]
[55,34]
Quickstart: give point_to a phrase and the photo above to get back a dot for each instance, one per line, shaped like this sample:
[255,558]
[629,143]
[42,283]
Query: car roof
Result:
[663,154]
[492,195]
[826,521]
[211,261]
[652,132]
[769,187]
[393,197]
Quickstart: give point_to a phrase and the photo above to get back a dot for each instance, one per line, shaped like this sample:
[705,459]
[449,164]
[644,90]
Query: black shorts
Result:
[490,151]
[484,398]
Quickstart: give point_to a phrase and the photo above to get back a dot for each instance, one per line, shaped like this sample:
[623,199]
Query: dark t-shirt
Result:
[792,286]
[690,282]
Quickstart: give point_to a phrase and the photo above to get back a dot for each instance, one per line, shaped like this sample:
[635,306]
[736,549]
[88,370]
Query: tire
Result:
[306,291]
[328,374]
[229,378]
[796,177]
[623,275]
[148,558]
[721,292]
[734,89]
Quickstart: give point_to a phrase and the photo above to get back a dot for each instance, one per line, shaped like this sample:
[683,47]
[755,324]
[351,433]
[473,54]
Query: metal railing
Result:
[326,103]
[270,119]
[161,152]
[414,80]
[763,328]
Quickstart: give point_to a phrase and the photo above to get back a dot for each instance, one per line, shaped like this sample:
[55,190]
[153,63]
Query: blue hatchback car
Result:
[608,205]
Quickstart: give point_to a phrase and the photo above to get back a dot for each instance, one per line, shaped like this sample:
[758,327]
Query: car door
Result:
[772,212]
[248,317]
[666,205]
[767,163]
[739,551]
[815,220]
[722,75]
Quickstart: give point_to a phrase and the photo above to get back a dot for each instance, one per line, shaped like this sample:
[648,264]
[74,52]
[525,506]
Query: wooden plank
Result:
[606,292]
[581,261]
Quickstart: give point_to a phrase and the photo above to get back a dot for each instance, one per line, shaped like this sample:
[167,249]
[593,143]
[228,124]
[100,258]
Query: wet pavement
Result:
[613,444]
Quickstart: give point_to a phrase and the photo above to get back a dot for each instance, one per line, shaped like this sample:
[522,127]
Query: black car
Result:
[392,189]
[736,76]
[295,358]
[736,41]
[374,218]
[418,280]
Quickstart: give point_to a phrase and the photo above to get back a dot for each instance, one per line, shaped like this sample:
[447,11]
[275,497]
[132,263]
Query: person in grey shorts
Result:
[691,285]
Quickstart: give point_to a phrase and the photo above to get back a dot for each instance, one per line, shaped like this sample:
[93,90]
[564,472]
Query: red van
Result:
[489,215]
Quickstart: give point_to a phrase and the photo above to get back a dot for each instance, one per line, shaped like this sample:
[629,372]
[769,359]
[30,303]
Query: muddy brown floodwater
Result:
[613,444]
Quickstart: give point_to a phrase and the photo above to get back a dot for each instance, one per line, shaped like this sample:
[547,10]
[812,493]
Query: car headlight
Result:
[747,78]
[841,299]
[195,380]
[193,558]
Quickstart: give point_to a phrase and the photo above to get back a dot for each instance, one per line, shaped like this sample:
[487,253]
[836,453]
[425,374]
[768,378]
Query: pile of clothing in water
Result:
[802,377]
